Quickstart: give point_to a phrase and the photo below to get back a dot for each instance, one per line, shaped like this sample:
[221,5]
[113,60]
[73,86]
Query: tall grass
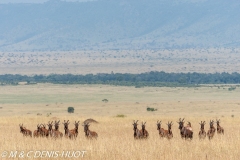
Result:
[116,140]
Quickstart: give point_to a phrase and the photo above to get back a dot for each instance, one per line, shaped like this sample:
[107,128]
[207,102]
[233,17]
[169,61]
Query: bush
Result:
[151,109]
[70,109]
[231,88]
[105,100]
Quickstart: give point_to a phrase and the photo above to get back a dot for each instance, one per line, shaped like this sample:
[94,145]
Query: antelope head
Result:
[169,125]
[181,123]
[66,123]
[50,125]
[21,128]
[135,125]
[218,121]
[202,124]
[143,126]
[76,124]
[159,125]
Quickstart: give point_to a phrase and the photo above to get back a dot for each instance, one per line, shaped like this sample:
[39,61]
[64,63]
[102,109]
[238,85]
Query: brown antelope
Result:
[50,129]
[184,131]
[25,131]
[68,134]
[37,132]
[88,133]
[211,131]
[169,133]
[56,132]
[74,131]
[44,130]
[220,129]
[161,130]
[202,132]
[136,134]
[144,132]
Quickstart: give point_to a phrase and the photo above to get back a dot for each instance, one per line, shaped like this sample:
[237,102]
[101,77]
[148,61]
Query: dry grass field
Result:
[121,61]
[22,103]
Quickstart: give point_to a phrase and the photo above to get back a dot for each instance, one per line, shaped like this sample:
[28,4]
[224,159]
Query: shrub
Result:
[231,88]
[105,100]
[70,109]
[151,109]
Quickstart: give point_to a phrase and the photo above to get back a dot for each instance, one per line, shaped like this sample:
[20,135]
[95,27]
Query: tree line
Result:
[153,78]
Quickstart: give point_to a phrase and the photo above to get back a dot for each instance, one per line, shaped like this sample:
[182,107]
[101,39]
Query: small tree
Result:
[70,109]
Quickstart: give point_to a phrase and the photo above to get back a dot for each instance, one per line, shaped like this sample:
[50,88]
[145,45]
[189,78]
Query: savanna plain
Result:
[31,105]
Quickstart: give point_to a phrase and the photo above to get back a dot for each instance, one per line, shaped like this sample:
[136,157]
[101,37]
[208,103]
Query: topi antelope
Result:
[50,129]
[143,131]
[160,130]
[44,130]
[88,133]
[37,132]
[68,134]
[56,132]
[211,131]
[136,133]
[169,133]
[202,132]
[184,131]
[220,129]
[74,131]
[25,131]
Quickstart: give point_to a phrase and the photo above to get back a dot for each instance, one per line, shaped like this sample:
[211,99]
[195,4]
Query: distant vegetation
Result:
[70,109]
[155,79]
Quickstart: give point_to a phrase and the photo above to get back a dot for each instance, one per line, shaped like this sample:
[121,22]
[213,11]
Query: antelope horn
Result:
[144,123]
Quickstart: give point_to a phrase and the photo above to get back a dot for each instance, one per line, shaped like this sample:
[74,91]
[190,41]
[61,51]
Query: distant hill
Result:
[119,24]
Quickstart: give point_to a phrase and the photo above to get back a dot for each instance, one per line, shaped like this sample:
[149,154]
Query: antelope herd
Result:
[186,132]
[55,133]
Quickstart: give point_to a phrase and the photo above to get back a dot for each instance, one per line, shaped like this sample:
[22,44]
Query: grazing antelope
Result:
[50,129]
[202,132]
[68,134]
[220,129]
[160,130]
[211,131]
[74,131]
[37,132]
[25,131]
[184,131]
[88,133]
[136,133]
[56,132]
[169,133]
[144,132]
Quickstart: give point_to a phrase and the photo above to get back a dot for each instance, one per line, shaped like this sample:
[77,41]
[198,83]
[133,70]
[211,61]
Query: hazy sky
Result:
[35,1]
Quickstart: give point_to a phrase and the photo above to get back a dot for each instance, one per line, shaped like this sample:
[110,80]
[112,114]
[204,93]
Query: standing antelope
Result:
[25,131]
[88,133]
[68,134]
[37,132]
[160,130]
[184,131]
[56,132]
[74,131]
[220,129]
[50,129]
[136,133]
[211,131]
[144,132]
[202,132]
[44,130]
[169,132]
